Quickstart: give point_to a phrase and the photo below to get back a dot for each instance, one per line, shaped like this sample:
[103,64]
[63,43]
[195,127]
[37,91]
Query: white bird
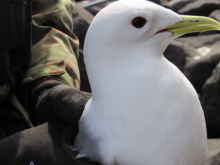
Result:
[143,110]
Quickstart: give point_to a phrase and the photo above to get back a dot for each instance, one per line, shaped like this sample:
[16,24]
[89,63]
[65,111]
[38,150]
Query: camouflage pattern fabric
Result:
[6,88]
[4,91]
[54,52]
[55,47]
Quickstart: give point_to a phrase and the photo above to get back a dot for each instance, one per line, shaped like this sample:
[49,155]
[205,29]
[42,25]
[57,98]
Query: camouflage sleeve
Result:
[55,47]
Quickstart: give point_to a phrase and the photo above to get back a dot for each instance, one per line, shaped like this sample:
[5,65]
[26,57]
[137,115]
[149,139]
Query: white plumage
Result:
[143,110]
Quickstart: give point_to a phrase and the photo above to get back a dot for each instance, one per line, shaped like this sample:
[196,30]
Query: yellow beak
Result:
[192,24]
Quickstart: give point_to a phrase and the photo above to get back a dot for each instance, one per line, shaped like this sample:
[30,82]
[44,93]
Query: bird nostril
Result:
[194,21]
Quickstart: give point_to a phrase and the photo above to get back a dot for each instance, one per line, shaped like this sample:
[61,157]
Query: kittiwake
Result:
[143,110]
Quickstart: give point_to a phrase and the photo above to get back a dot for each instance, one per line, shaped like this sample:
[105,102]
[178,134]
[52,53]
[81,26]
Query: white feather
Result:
[143,111]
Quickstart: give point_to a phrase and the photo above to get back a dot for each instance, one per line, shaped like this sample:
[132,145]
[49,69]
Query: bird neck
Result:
[110,70]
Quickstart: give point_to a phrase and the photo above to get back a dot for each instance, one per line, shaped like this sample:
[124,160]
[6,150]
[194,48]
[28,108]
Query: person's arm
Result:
[54,61]
[55,47]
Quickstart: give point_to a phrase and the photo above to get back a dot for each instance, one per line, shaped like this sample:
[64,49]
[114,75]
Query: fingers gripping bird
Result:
[143,110]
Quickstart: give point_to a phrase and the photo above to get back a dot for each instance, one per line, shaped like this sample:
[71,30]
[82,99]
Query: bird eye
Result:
[139,22]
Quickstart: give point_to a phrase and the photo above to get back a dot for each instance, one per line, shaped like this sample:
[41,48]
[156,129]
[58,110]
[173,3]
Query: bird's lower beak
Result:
[192,24]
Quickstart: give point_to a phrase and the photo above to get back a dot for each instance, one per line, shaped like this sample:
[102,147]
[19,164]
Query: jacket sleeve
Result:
[55,47]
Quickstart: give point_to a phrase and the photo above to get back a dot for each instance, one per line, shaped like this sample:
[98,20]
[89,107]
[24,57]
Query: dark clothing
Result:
[47,144]
[51,81]
[54,55]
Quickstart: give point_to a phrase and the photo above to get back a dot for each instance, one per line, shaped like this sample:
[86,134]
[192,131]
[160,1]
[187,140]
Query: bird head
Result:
[140,22]
[129,33]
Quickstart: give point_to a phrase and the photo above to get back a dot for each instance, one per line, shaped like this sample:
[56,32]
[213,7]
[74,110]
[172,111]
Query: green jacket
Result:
[54,49]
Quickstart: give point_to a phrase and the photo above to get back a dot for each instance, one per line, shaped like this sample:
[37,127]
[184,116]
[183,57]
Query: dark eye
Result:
[139,22]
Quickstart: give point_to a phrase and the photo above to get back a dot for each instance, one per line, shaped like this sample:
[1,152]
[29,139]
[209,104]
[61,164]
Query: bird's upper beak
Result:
[192,24]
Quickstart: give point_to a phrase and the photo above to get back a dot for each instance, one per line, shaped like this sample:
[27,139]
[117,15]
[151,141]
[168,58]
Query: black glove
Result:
[61,101]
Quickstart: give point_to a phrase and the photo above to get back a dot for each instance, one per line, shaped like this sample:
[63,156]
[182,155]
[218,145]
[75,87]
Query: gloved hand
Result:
[61,101]
[50,143]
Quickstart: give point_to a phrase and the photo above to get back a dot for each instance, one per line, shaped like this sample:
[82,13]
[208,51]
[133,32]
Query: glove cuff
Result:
[36,90]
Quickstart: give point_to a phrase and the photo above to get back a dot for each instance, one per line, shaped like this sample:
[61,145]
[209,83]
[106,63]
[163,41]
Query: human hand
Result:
[61,101]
